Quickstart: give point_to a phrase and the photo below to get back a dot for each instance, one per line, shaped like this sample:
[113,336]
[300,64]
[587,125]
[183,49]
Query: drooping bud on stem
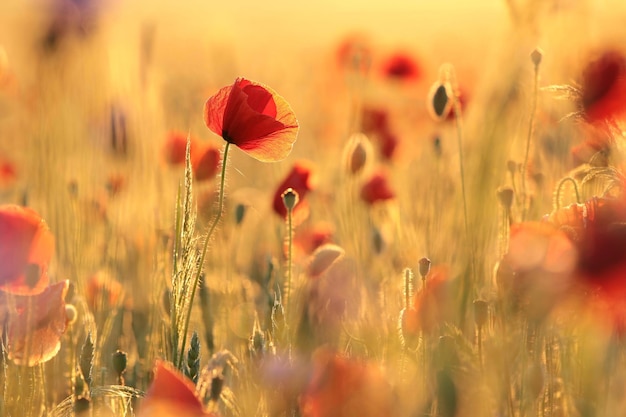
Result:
[290,198]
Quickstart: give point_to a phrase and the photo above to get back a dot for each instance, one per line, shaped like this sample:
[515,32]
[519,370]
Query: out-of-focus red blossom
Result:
[346,387]
[375,123]
[377,189]
[401,66]
[431,306]
[301,179]
[175,147]
[115,184]
[171,394]
[354,54]
[35,324]
[8,173]
[254,118]
[374,120]
[103,291]
[307,239]
[205,161]
[598,230]
[26,247]
[603,87]
[537,270]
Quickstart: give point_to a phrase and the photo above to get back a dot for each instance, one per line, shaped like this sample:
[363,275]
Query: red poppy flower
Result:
[603,89]
[307,239]
[345,387]
[103,292]
[377,189]
[8,173]
[300,178]
[374,120]
[597,230]
[171,394]
[254,118]
[26,247]
[401,66]
[205,161]
[36,324]
[354,54]
[431,306]
[537,270]
[175,147]
[387,143]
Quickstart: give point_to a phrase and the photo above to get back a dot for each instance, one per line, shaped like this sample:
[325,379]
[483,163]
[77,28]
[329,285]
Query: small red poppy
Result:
[343,387]
[175,147]
[205,161]
[431,306]
[603,87]
[300,178]
[36,325]
[387,143]
[103,291]
[374,120]
[254,118]
[401,66]
[377,189]
[26,247]
[171,393]
[8,173]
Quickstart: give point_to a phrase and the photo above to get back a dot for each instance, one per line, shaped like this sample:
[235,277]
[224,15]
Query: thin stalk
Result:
[218,216]
[289,261]
[559,188]
[531,128]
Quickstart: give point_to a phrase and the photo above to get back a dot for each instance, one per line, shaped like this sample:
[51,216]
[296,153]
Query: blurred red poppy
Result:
[26,247]
[387,143]
[354,54]
[401,66]
[431,305]
[597,228]
[307,239]
[537,270]
[377,189]
[36,324]
[175,147]
[345,387]
[300,178]
[103,292]
[205,161]
[8,173]
[603,87]
[171,394]
[254,118]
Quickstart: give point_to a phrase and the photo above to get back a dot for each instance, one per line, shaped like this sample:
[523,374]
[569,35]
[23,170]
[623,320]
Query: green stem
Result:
[218,216]
[531,128]
[289,261]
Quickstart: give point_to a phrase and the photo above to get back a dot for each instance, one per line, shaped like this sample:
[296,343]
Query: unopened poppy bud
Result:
[356,152]
[290,198]
[511,166]
[505,195]
[481,312]
[82,406]
[439,103]
[240,212]
[536,56]
[424,267]
[71,313]
[119,362]
[217,383]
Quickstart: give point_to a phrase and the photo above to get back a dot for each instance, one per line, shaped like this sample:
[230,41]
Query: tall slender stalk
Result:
[218,216]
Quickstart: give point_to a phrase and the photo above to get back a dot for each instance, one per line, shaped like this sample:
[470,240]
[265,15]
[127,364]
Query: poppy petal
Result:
[36,326]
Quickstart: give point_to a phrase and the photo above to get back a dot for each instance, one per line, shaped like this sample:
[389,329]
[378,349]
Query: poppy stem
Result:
[289,261]
[531,128]
[205,246]
[559,188]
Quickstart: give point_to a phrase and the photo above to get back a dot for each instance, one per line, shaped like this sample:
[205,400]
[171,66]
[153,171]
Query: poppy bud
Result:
[290,198]
[481,312]
[119,362]
[536,56]
[71,313]
[439,103]
[506,194]
[356,152]
[240,212]
[424,267]
[217,383]
[82,406]
[511,166]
